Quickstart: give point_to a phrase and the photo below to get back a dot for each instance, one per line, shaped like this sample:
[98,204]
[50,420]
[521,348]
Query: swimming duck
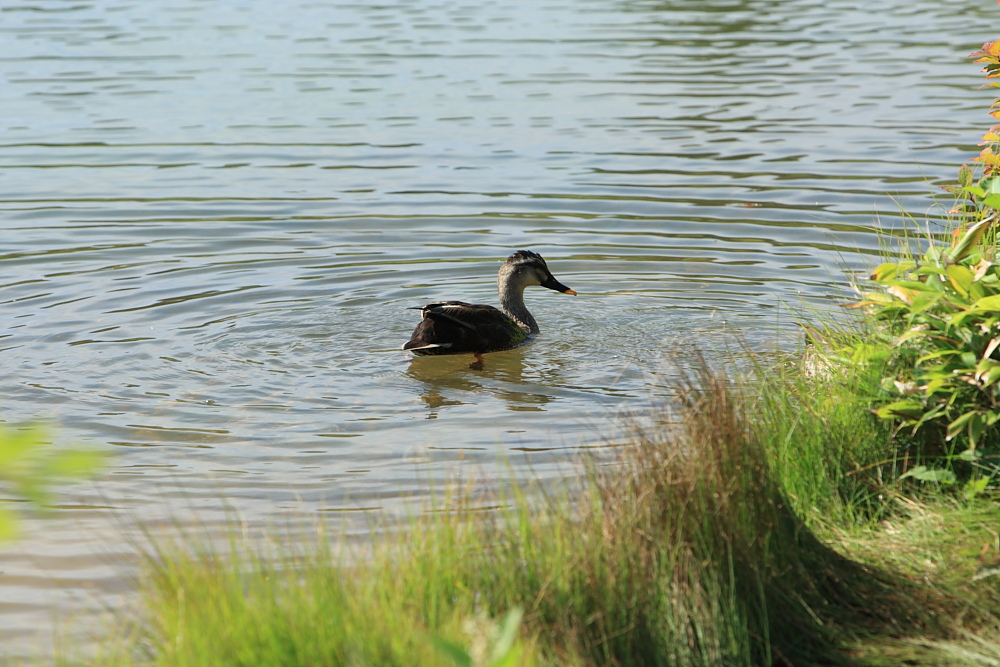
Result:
[456,327]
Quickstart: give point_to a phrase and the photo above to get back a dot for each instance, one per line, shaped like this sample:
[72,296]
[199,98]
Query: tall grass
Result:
[833,458]
[690,551]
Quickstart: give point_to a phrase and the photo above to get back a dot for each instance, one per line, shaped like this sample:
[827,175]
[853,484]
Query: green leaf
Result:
[955,427]
[876,299]
[975,191]
[922,302]
[969,455]
[970,239]
[508,635]
[925,474]
[910,334]
[934,413]
[18,443]
[937,354]
[974,487]
[886,271]
[907,409]
[960,278]
[938,371]
[988,303]
[958,319]
[29,468]
[914,285]
[929,270]
[458,654]
[993,201]
[976,427]
[934,385]
[978,291]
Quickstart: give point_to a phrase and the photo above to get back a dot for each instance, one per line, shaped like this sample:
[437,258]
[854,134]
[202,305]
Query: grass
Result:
[764,528]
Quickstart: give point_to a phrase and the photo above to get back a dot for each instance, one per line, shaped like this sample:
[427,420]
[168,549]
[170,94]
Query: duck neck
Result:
[512,303]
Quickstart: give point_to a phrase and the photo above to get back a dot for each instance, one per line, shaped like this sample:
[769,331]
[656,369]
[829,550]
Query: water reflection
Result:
[447,381]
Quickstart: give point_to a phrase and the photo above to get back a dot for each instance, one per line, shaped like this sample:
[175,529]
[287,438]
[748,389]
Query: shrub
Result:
[941,318]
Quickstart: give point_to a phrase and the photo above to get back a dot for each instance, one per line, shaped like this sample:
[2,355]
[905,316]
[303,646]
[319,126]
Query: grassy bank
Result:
[766,527]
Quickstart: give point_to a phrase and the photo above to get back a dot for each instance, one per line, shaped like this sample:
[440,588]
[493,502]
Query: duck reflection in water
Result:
[456,327]
[447,382]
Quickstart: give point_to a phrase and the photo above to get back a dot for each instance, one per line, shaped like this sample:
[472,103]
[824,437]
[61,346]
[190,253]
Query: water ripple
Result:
[215,216]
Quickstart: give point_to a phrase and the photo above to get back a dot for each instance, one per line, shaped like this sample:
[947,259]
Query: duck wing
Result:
[454,327]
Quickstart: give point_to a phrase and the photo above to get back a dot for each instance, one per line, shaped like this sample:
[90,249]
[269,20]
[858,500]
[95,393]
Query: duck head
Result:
[525,268]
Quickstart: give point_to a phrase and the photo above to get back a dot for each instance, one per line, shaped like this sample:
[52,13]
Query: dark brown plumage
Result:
[454,327]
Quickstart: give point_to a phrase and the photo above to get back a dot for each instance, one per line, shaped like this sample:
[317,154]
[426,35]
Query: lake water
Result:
[214,216]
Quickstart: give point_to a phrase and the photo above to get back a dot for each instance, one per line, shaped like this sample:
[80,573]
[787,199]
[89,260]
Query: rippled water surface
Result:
[214,215]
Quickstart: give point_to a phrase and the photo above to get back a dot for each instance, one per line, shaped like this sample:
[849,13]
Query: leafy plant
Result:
[944,309]
[941,317]
[29,468]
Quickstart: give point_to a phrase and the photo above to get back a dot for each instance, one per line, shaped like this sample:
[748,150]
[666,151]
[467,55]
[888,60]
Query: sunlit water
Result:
[216,214]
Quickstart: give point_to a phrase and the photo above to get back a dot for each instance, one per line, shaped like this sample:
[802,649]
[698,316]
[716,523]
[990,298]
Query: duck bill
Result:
[553,284]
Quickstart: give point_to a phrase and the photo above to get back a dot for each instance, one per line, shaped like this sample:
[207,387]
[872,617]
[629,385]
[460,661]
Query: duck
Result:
[457,327]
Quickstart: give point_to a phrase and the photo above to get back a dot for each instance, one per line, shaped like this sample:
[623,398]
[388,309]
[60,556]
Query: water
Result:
[215,214]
